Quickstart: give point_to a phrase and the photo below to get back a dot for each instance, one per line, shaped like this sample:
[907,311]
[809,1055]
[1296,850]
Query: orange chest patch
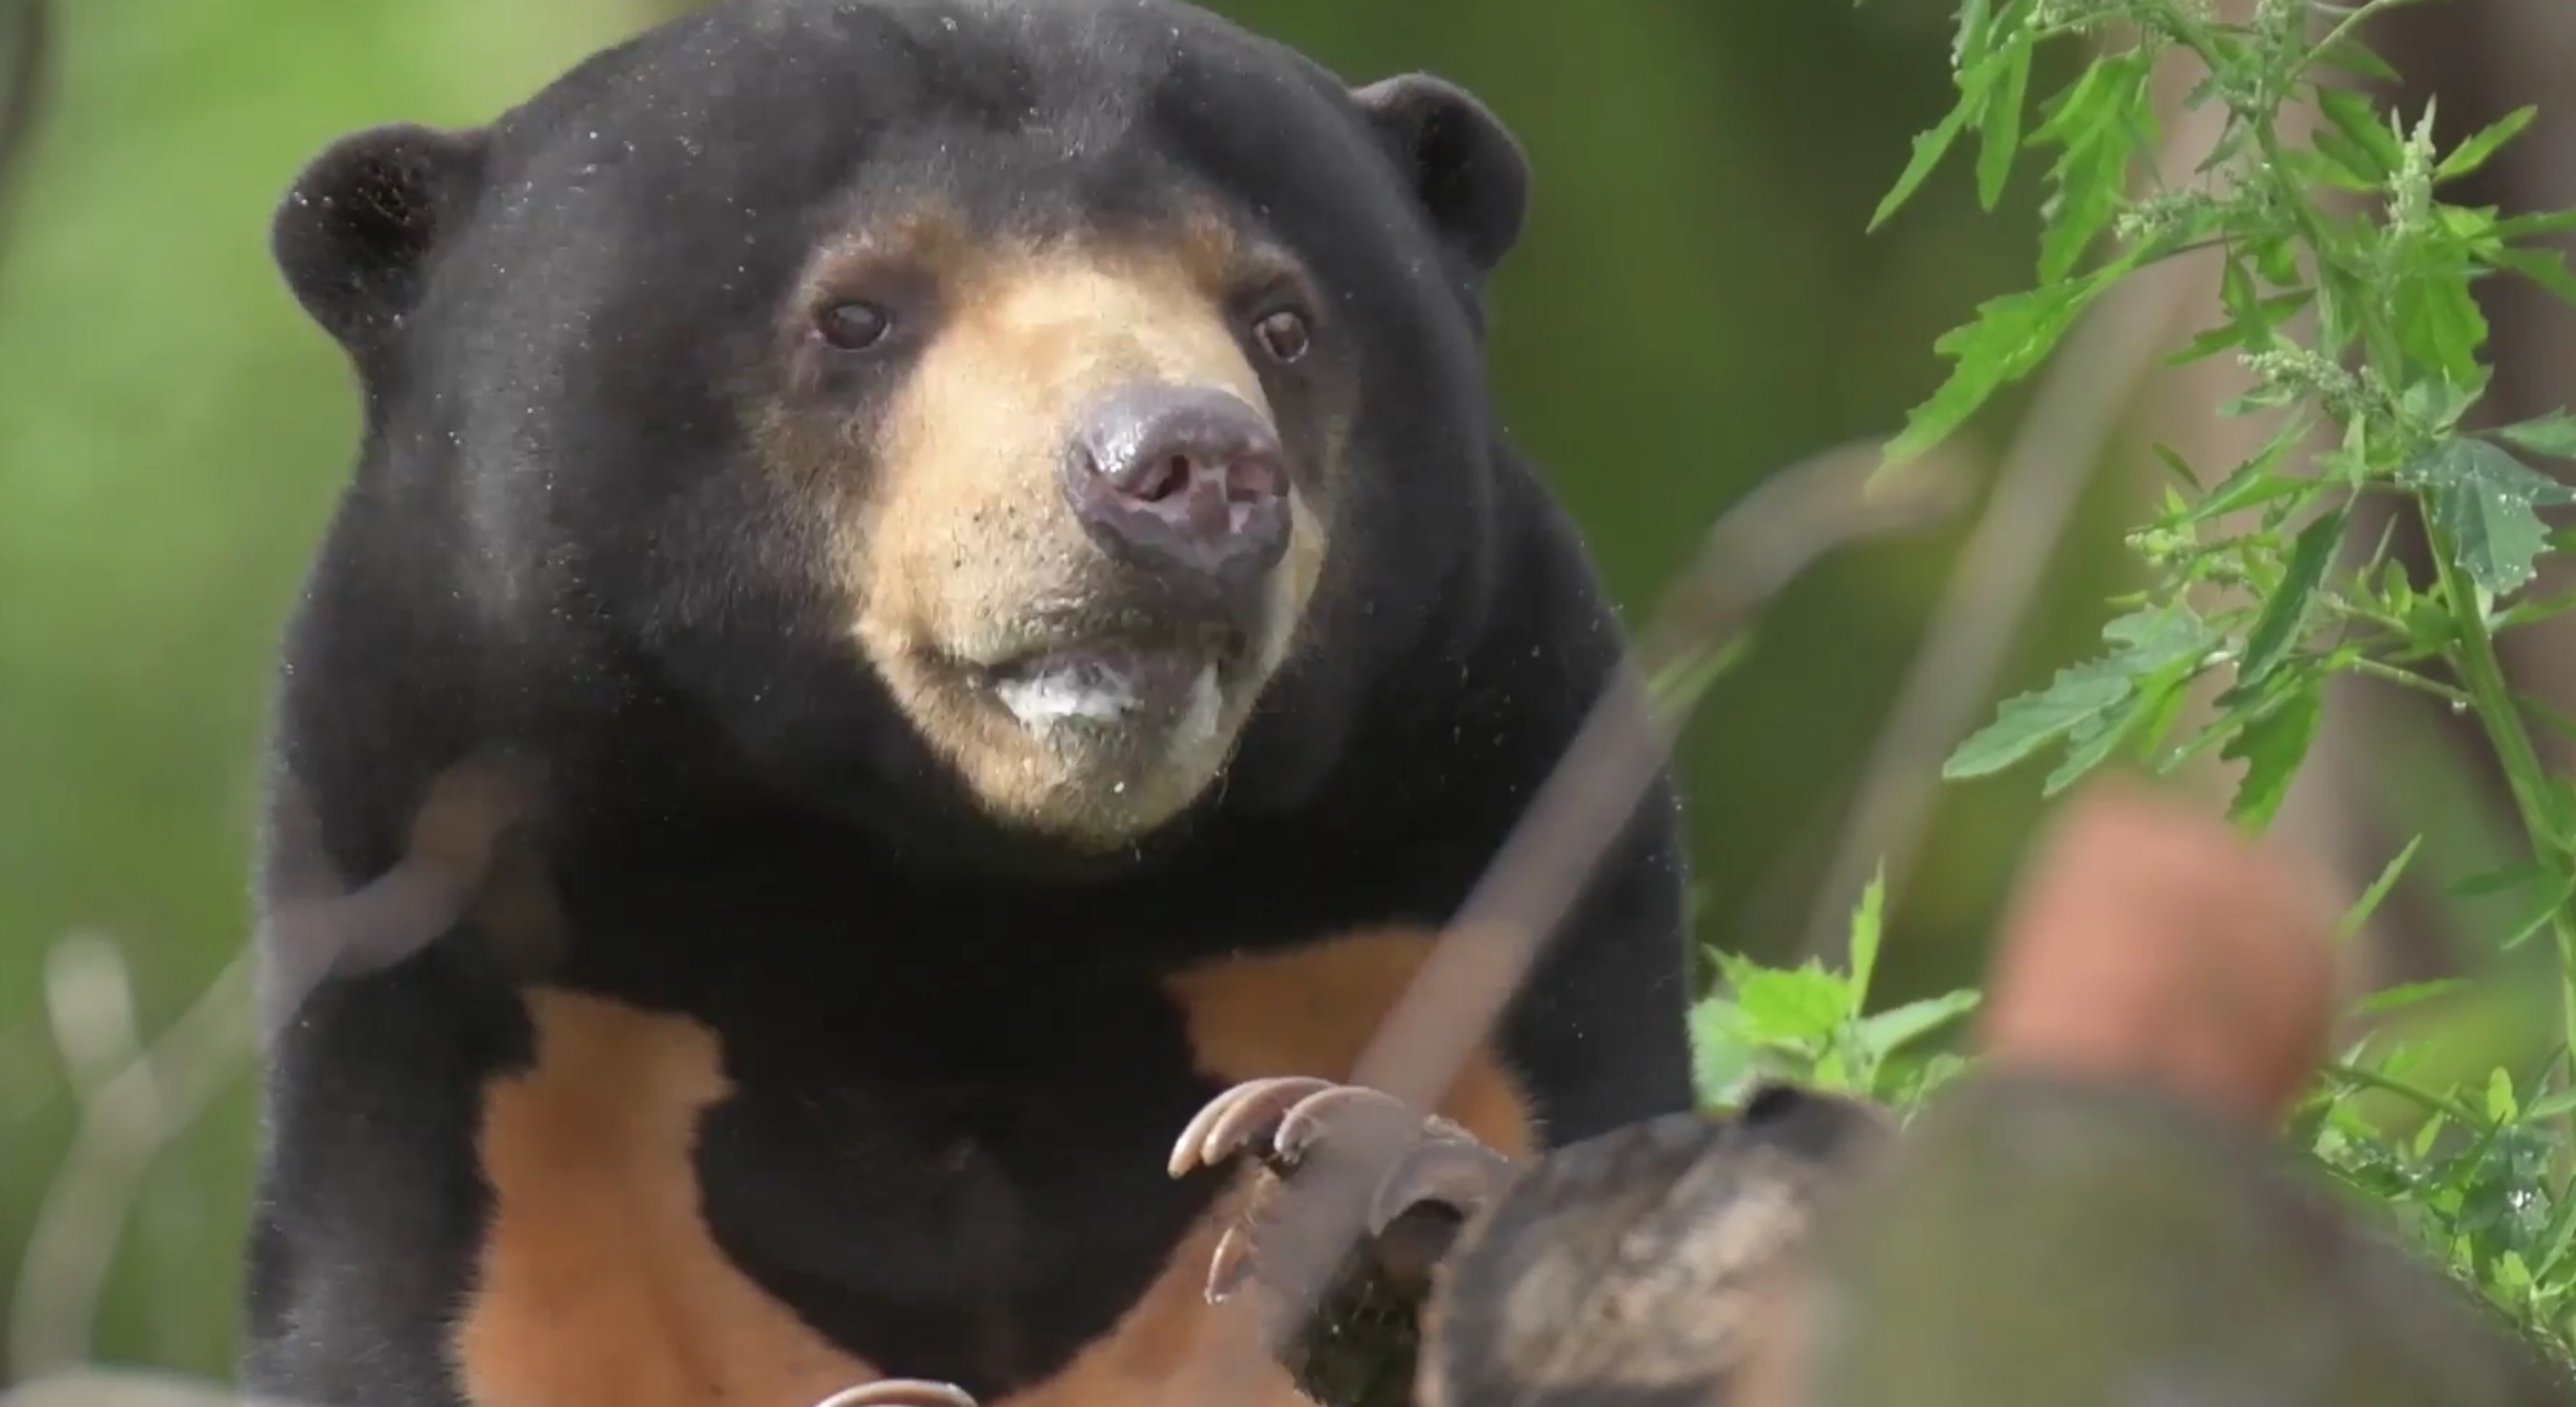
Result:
[600,1285]
[600,1282]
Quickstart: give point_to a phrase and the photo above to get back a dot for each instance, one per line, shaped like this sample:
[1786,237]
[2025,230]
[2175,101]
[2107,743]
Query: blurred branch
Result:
[1775,533]
[2080,402]
[133,1102]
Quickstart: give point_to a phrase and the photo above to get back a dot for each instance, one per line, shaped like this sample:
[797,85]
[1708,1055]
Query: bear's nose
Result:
[1181,480]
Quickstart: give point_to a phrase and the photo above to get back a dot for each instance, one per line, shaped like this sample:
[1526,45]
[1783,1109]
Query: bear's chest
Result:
[935,1191]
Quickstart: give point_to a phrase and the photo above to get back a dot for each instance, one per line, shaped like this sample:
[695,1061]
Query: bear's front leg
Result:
[1357,1200]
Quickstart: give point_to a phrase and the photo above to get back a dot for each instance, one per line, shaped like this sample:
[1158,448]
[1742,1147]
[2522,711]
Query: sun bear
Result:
[984,524]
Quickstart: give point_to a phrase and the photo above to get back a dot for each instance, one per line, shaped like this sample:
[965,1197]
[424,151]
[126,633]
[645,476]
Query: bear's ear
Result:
[354,233]
[1464,165]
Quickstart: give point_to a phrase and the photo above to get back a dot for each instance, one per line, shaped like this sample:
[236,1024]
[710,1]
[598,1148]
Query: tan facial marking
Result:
[955,542]
[971,447]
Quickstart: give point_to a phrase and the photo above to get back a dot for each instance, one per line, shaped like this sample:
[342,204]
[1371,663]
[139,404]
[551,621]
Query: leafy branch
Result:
[2346,287]
[2346,292]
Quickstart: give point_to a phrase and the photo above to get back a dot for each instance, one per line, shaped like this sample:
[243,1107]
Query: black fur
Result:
[359,233]
[1468,170]
[556,542]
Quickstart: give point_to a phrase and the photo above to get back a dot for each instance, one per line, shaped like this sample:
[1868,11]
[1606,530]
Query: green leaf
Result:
[2098,124]
[2439,321]
[2541,910]
[2539,222]
[2093,741]
[2026,724]
[2484,500]
[2352,115]
[2379,890]
[2550,1106]
[2237,294]
[2272,747]
[2285,612]
[2546,267]
[2396,589]
[1976,25]
[2342,303]
[1866,917]
[1720,1060]
[2429,628]
[2345,154]
[2277,260]
[2352,56]
[2010,335]
[2558,810]
[2251,327]
[2501,1105]
[2162,712]
[2424,1137]
[2253,481]
[2147,641]
[1786,1006]
[2411,994]
[2503,879]
[2000,123]
[2477,150]
[2553,434]
[1832,1072]
[1892,1029]
[1929,148]
[2438,402]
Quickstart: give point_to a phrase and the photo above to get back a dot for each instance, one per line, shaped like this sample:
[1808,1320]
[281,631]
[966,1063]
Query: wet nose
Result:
[1185,481]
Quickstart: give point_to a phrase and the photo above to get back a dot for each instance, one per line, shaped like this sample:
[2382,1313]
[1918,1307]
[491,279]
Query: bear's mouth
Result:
[1119,683]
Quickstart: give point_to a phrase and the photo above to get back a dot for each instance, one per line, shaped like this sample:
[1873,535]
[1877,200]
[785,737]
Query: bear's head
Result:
[1018,398]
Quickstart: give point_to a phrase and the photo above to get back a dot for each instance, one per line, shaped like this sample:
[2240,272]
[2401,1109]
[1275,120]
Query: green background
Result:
[1696,305]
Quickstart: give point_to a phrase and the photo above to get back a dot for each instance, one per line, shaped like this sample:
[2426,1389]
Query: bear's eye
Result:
[854,326]
[1284,334]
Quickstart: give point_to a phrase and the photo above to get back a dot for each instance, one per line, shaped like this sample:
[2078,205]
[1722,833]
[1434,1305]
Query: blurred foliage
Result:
[1695,306]
[2355,219]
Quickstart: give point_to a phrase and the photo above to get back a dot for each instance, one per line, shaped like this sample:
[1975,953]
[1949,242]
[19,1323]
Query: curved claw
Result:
[1304,1122]
[900,1392]
[1230,1266]
[1452,1169]
[1234,1118]
[1441,1163]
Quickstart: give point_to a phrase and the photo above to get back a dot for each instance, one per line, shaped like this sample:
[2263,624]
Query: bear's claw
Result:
[1279,1120]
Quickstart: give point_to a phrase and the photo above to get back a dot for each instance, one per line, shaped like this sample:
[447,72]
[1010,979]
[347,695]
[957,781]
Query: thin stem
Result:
[2410,679]
[2372,1079]
[2473,655]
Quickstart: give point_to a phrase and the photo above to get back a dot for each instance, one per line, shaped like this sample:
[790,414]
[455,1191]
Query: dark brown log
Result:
[1633,1268]
[2031,1239]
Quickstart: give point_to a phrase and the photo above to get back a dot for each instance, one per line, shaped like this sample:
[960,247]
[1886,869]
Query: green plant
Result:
[2346,288]
[1809,1024]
